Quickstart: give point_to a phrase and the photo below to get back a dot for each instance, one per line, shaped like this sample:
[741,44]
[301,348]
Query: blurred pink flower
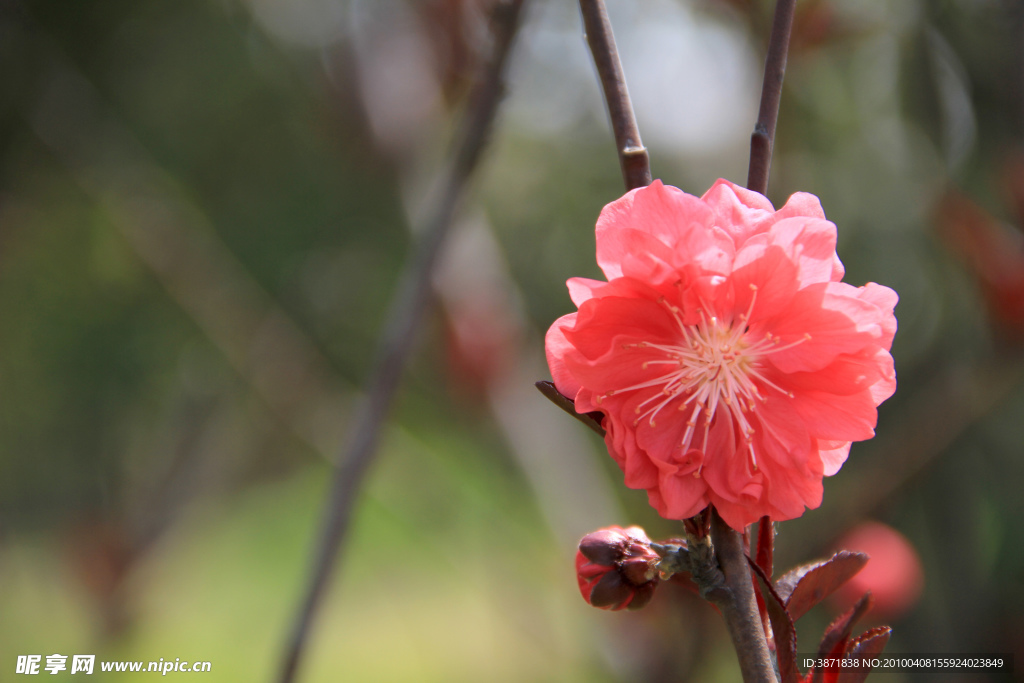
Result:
[894,574]
[731,364]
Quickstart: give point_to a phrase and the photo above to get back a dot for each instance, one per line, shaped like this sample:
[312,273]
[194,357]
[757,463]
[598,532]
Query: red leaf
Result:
[782,625]
[592,420]
[870,643]
[837,635]
[804,587]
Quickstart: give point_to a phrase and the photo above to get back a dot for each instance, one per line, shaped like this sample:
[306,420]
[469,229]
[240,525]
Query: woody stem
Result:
[763,139]
[719,568]
[636,167]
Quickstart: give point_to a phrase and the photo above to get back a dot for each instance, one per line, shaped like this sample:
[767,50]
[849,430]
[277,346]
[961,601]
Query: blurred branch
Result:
[763,139]
[174,240]
[172,237]
[406,313]
[636,167]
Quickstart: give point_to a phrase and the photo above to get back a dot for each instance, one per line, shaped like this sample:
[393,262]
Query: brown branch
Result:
[735,599]
[636,167]
[633,159]
[404,316]
[763,139]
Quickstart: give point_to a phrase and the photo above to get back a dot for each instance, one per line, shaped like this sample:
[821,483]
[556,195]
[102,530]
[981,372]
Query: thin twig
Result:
[763,138]
[404,317]
[551,393]
[633,159]
[735,599]
[636,167]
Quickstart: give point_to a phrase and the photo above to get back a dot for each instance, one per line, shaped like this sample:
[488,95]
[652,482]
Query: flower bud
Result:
[616,568]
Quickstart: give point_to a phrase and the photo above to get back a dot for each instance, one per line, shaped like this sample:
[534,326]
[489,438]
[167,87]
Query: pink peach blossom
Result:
[730,363]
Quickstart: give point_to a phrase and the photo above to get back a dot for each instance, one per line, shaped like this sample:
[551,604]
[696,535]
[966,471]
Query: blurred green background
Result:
[204,208]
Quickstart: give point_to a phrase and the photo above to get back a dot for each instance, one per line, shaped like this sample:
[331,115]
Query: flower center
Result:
[716,365]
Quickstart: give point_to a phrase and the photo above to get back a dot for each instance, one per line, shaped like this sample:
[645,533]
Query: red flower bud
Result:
[616,568]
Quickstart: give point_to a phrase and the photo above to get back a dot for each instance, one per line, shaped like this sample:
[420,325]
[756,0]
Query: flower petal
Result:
[847,374]
[683,494]
[840,418]
[801,204]
[653,230]
[557,347]
[635,253]
[885,299]
[833,455]
[808,242]
[738,211]
[764,276]
[831,319]
[603,322]
[583,289]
